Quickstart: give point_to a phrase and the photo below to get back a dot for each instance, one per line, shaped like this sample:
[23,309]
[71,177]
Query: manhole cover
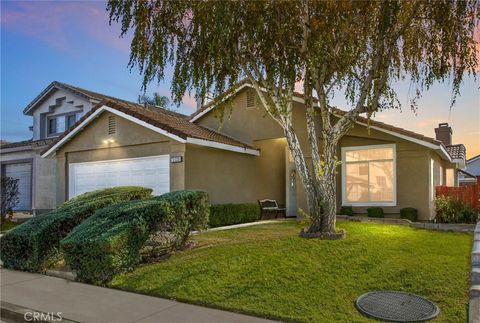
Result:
[397,306]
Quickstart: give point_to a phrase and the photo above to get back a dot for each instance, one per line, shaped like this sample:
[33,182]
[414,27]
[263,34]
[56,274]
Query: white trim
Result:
[144,124]
[394,159]
[116,112]
[73,132]
[195,141]
[214,144]
[201,114]
[34,103]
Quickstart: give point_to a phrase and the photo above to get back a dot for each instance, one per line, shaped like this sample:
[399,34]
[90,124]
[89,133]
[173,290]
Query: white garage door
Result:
[152,172]
[22,172]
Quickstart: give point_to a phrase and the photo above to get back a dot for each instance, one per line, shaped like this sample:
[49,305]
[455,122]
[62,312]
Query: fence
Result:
[468,194]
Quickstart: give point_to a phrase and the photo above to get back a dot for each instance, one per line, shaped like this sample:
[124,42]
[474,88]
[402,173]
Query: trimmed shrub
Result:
[375,212]
[346,210]
[190,212]
[34,245]
[111,240]
[227,214]
[409,213]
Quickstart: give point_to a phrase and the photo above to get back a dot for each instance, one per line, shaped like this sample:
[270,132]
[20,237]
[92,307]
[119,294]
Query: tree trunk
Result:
[328,185]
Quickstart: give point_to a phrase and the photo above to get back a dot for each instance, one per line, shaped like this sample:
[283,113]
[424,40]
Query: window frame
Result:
[65,116]
[48,133]
[344,151]
[68,115]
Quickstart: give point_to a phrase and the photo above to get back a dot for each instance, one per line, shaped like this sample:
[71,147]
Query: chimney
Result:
[205,100]
[444,133]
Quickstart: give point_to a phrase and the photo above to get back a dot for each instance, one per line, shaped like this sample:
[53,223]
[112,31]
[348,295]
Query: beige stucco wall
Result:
[412,160]
[130,141]
[44,182]
[236,120]
[231,177]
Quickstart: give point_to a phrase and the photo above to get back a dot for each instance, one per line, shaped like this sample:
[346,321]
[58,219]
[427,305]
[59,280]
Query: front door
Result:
[291,184]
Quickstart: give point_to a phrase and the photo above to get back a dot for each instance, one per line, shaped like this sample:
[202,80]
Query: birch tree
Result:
[357,49]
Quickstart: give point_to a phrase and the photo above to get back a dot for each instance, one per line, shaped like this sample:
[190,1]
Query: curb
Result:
[16,313]
[474,293]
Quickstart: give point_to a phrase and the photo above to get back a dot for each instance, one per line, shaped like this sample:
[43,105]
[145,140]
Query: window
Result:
[450,181]
[58,124]
[52,126]
[368,175]
[71,119]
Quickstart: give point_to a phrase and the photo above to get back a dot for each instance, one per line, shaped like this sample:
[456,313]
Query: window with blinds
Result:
[369,175]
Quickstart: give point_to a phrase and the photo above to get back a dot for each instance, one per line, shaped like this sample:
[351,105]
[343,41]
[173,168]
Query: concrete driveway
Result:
[87,303]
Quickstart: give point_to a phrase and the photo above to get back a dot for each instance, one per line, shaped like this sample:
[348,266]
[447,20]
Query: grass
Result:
[7,225]
[269,271]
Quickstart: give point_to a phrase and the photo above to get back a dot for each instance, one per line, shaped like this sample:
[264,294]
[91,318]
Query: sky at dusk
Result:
[72,42]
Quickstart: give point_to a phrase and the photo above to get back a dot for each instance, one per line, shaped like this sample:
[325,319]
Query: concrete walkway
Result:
[87,303]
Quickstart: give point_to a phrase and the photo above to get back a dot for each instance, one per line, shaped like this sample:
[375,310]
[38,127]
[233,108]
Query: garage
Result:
[22,172]
[152,172]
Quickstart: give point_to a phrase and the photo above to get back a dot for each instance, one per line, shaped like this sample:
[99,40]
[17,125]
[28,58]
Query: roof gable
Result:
[170,124]
[95,97]
[299,97]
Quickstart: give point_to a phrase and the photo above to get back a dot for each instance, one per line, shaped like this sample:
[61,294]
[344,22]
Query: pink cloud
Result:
[189,101]
[61,24]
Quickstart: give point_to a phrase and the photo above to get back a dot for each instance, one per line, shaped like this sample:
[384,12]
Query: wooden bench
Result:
[269,207]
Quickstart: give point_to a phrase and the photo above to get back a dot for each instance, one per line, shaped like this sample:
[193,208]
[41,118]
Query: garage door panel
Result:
[22,172]
[151,172]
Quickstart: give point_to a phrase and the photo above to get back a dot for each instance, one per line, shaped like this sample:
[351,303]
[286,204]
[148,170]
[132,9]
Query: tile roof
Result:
[336,111]
[96,96]
[456,151]
[172,122]
[26,143]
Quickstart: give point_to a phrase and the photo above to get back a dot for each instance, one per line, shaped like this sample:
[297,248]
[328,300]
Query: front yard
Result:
[269,271]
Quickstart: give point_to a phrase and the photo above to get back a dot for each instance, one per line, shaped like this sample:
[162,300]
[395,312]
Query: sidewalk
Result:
[87,303]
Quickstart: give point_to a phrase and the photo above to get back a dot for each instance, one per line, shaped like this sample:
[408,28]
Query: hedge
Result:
[346,210]
[34,245]
[227,214]
[111,240]
[409,213]
[375,212]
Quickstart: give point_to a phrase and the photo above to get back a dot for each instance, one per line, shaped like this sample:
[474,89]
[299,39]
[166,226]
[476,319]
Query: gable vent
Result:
[112,125]
[250,98]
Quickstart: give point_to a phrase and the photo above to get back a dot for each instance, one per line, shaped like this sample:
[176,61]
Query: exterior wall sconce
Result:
[108,141]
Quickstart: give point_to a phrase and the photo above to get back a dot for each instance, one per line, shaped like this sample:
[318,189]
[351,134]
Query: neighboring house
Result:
[243,157]
[472,172]
[54,110]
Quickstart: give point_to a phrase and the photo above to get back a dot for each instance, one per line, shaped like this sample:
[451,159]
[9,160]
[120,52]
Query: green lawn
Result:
[7,226]
[269,271]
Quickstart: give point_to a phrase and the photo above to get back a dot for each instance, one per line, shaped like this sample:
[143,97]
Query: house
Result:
[471,174]
[238,158]
[53,111]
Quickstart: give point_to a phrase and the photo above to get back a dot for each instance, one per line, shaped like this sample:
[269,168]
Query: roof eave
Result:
[202,142]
